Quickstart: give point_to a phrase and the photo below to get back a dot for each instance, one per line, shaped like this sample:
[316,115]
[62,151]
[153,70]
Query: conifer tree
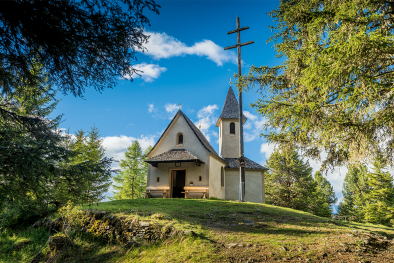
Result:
[81,44]
[94,169]
[354,188]
[379,198]
[323,196]
[130,182]
[289,180]
[326,188]
[97,182]
[29,141]
[332,91]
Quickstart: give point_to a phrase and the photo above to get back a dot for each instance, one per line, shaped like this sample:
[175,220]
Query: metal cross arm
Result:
[239,45]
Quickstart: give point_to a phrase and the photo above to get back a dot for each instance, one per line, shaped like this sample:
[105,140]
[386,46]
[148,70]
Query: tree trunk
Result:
[132,189]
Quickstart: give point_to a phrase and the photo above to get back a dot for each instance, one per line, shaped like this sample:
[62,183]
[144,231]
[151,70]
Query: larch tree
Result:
[333,92]
[130,182]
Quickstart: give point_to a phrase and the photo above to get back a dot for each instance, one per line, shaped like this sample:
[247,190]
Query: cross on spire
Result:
[230,82]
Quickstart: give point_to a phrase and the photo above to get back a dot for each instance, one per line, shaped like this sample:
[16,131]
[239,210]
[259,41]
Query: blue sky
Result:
[185,63]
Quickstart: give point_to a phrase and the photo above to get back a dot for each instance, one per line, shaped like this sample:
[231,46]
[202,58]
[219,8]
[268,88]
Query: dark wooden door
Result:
[178,183]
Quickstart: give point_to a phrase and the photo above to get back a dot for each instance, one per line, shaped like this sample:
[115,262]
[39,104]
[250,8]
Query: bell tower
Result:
[228,124]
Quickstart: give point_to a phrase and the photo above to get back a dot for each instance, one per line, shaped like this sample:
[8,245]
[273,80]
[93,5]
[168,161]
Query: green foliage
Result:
[333,91]
[21,213]
[323,196]
[289,181]
[369,195]
[354,187]
[71,218]
[326,188]
[379,197]
[36,159]
[33,238]
[94,175]
[29,149]
[80,44]
[130,182]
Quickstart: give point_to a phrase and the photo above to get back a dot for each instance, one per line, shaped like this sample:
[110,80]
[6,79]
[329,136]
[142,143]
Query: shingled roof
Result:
[249,164]
[200,136]
[230,107]
[174,155]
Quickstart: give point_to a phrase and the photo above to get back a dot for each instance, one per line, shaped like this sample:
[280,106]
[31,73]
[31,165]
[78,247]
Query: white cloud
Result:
[206,111]
[167,113]
[116,146]
[151,107]
[253,126]
[206,118]
[250,116]
[161,45]
[171,109]
[149,73]
[267,149]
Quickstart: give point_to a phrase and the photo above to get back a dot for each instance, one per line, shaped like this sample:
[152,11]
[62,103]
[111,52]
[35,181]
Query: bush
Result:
[15,214]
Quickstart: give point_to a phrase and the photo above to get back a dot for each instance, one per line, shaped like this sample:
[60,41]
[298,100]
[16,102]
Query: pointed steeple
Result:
[230,107]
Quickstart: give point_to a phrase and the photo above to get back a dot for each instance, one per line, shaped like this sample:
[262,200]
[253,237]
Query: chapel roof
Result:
[200,136]
[230,107]
[181,155]
[249,164]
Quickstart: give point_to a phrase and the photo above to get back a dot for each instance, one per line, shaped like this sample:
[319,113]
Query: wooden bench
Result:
[196,189]
[154,190]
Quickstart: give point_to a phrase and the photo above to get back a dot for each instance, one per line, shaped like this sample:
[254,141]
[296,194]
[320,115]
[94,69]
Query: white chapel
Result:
[183,164]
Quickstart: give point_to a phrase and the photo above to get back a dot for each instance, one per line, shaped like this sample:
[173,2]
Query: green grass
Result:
[278,233]
[10,240]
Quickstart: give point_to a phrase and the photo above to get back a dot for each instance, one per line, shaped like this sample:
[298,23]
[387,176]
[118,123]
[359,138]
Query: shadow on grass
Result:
[379,229]
[14,249]
[220,214]
[86,248]
[233,217]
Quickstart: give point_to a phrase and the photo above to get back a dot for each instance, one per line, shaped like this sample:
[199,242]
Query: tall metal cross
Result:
[241,130]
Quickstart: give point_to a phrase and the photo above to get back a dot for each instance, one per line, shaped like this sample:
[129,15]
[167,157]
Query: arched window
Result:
[232,128]
[222,177]
[179,140]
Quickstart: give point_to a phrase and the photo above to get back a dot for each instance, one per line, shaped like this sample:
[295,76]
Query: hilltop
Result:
[222,231]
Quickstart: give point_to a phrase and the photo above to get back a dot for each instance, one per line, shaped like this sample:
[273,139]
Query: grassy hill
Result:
[226,231]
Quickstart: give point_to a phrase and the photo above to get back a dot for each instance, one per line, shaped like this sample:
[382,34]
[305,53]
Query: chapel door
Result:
[178,183]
